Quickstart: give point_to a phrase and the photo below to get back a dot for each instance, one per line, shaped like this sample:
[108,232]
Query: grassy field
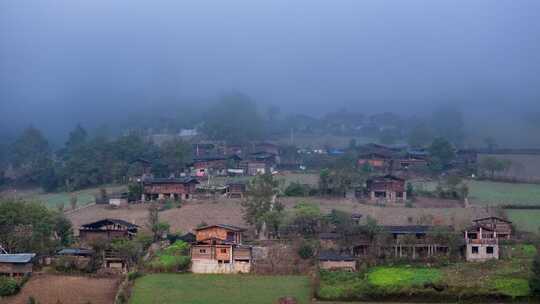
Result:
[496,193]
[506,277]
[219,289]
[525,220]
[402,276]
[84,197]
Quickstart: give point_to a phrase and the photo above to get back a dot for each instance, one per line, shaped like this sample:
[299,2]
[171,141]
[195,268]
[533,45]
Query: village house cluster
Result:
[221,248]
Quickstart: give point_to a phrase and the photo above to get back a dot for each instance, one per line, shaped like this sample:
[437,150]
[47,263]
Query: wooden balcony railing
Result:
[482,241]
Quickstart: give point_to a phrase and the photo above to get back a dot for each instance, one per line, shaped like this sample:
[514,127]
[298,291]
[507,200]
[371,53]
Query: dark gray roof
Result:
[17,258]
[105,222]
[385,177]
[334,256]
[180,180]
[413,229]
[492,218]
[329,236]
[188,237]
[228,227]
[356,216]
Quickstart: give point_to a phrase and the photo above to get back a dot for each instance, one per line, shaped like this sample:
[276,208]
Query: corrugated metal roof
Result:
[76,251]
[17,258]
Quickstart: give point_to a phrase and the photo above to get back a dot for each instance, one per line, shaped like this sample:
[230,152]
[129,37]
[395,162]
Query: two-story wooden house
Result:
[219,249]
[107,230]
[482,238]
[169,188]
[387,188]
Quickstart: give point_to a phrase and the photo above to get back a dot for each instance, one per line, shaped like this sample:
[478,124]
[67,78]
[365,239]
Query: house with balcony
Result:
[219,249]
[386,189]
[482,238]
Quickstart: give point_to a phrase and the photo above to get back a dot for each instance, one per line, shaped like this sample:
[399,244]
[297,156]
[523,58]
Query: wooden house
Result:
[18,264]
[387,188]
[168,188]
[409,163]
[219,249]
[259,163]
[214,165]
[410,241]
[267,147]
[330,260]
[482,238]
[377,161]
[108,230]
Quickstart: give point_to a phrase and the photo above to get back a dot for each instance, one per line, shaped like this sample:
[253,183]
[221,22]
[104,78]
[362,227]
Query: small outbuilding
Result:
[236,189]
[18,264]
[168,188]
[330,260]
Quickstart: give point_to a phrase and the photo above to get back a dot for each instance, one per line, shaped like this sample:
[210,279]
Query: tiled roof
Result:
[224,226]
[334,256]
[105,222]
[181,180]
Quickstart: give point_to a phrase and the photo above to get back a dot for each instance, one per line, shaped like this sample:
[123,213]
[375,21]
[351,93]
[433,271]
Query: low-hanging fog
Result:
[99,61]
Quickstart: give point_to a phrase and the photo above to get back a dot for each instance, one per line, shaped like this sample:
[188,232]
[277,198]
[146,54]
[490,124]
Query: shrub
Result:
[65,264]
[178,248]
[306,251]
[297,189]
[170,263]
[534,282]
[133,275]
[8,286]
[144,239]
[169,204]
[171,259]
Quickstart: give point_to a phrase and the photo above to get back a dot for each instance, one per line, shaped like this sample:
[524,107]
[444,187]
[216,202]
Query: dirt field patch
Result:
[191,214]
[52,289]
[181,219]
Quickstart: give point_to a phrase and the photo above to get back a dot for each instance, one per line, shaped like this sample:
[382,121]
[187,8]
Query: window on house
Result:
[475,250]
[202,250]
[230,236]
[489,250]
[223,250]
